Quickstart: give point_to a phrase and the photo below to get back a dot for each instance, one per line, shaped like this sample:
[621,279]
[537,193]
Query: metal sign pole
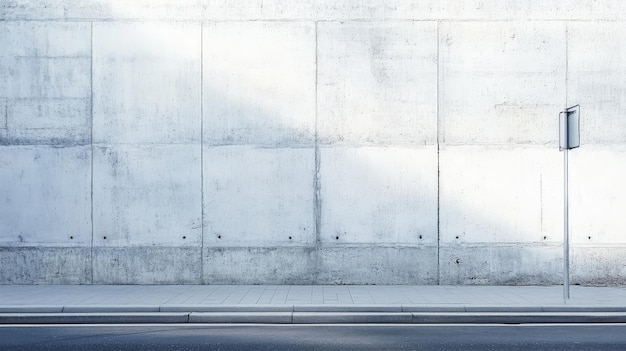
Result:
[569,138]
[565,229]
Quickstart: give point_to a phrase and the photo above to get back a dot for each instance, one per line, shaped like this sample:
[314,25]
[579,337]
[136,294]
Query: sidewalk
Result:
[308,304]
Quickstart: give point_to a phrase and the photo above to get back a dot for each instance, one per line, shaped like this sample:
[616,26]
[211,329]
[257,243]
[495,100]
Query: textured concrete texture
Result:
[377,83]
[369,264]
[260,265]
[269,189]
[147,195]
[146,82]
[147,265]
[597,174]
[596,68]
[45,70]
[259,83]
[46,196]
[378,195]
[500,264]
[518,200]
[45,265]
[309,142]
[501,82]
[315,10]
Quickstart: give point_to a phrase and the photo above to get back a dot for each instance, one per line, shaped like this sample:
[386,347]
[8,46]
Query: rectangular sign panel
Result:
[569,128]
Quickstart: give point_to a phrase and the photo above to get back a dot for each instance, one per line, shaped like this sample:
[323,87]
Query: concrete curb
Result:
[314,317]
[347,308]
[351,317]
[31,309]
[111,308]
[246,317]
[518,318]
[92,318]
[226,308]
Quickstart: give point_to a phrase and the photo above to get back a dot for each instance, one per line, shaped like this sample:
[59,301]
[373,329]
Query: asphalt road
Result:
[314,337]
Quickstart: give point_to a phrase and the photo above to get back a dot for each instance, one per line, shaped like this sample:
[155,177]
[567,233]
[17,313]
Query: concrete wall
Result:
[298,142]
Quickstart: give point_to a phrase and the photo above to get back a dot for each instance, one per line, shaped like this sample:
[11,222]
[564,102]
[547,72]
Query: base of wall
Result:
[147,265]
[259,265]
[598,265]
[490,264]
[350,264]
[377,265]
[45,265]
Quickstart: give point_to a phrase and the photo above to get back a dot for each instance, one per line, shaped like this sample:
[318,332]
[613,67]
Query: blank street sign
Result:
[569,128]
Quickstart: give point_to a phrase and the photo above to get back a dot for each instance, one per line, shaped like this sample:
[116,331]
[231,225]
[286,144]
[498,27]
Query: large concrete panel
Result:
[45,196]
[596,61]
[258,196]
[496,194]
[147,195]
[598,265]
[259,265]
[379,265]
[259,83]
[147,265]
[313,10]
[378,195]
[45,71]
[377,83]
[146,82]
[493,264]
[597,195]
[45,265]
[501,82]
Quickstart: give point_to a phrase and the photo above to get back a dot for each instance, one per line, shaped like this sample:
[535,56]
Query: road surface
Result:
[313,337]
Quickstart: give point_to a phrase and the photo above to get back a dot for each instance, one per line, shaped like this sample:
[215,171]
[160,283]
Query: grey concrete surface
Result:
[242,317]
[93,318]
[309,304]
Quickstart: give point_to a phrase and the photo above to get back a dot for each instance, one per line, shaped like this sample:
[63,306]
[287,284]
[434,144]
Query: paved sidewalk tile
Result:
[418,297]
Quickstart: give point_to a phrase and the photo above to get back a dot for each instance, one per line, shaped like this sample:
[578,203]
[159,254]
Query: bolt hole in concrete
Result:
[545,238]
[457,236]
[105,238]
[184,237]
[219,236]
[289,238]
[71,238]
[589,237]
[337,238]
[420,236]
[457,261]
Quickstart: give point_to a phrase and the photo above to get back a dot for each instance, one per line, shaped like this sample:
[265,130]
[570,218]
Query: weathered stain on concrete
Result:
[45,70]
[300,142]
[260,265]
[377,264]
[501,264]
[147,265]
[44,264]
